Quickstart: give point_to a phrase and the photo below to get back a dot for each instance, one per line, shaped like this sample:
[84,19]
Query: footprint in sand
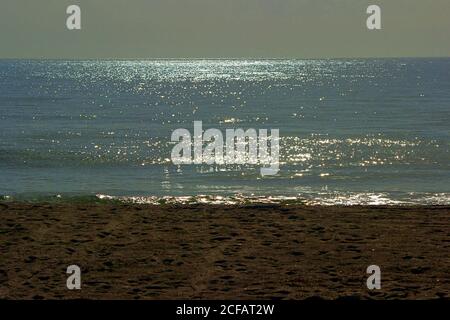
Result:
[3,276]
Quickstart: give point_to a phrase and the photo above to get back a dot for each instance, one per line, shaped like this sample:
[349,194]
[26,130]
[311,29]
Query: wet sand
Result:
[223,252]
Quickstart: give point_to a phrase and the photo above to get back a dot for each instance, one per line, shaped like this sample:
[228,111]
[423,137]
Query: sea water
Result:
[352,131]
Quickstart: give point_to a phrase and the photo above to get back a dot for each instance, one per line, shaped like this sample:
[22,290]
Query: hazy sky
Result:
[223,28]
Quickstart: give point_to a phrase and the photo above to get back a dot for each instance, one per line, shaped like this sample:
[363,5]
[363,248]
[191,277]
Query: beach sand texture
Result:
[130,251]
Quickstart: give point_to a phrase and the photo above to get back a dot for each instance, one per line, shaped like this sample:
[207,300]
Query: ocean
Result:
[352,131]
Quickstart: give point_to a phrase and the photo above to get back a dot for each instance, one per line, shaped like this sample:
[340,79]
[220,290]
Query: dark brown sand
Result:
[223,252]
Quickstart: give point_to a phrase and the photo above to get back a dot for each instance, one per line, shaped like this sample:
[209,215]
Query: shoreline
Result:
[420,200]
[203,251]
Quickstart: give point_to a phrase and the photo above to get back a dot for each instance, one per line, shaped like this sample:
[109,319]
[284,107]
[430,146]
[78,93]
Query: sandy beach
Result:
[223,252]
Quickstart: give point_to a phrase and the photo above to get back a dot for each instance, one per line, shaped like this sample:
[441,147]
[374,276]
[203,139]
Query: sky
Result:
[146,29]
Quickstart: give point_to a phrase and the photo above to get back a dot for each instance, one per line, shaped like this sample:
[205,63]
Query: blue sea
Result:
[352,131]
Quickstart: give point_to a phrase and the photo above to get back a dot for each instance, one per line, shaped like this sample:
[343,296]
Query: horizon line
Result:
[220,58]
